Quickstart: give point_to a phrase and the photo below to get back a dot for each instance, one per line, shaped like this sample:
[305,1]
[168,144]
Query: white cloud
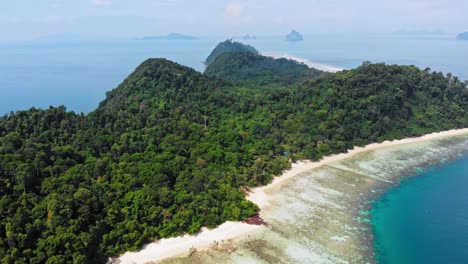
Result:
[101,2]
[234,10]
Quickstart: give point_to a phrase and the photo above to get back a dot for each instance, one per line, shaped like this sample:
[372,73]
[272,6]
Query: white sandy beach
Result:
[167,248]
[311,64]
[259,197]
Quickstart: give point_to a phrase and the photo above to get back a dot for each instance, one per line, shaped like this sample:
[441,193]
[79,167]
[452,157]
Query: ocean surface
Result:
[425,219]
[78,73]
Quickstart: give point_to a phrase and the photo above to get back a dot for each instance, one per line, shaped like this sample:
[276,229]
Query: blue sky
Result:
[30,19]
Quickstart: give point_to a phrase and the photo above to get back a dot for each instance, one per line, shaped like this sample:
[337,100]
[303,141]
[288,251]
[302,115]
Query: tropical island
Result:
[294,36]
[170,36]
[172,150]
[463,36]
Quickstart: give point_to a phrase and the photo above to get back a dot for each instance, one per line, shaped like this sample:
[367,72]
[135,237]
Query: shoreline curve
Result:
[180,246]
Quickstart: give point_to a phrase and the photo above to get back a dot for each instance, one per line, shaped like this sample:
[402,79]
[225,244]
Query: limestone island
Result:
[294,36]
[463,36]
[249,37]
[170,36]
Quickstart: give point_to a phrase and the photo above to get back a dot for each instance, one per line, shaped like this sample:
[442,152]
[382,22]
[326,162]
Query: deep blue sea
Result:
[78,73]
[425,219]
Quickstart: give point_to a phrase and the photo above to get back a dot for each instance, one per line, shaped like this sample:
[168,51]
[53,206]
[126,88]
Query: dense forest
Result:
[169,149]
[257,70]
[229,46]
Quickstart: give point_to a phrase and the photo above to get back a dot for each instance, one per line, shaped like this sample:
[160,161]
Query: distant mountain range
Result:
[463,36]
[171,36]
[419,32]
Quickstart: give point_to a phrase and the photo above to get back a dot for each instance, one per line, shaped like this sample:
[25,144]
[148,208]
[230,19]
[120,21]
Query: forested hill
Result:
[168,151]
[227,47]
[159,79]
[255,69]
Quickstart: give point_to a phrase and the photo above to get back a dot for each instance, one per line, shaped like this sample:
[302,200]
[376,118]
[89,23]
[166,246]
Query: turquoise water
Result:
[425,219]
[78,73]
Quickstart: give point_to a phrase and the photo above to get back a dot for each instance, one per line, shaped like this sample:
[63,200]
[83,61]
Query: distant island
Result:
[294,36]
[249,37]
[463,36]
[171,36]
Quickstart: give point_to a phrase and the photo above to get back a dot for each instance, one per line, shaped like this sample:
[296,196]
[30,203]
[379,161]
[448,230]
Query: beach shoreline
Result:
[258,196]
[262,196]
[311,64]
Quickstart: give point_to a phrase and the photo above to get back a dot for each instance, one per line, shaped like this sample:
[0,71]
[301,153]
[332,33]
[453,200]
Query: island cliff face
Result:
[170,149]
[463,36]
[294,36]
